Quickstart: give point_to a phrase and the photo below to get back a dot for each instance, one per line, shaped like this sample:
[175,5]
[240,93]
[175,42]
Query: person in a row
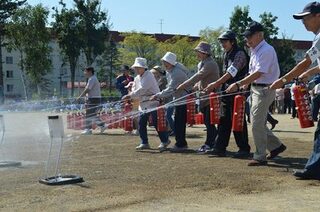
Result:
[145,86]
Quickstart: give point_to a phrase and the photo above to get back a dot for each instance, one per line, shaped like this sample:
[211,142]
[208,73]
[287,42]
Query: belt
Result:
[260,84]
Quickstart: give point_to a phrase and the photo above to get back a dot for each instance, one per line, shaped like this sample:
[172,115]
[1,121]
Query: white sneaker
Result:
[164,145]
[103,128]
[135,132]
[86,132]
[143,146]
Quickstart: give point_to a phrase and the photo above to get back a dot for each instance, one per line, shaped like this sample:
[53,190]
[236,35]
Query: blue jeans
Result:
[315,107]
[143,128]
[170,120]
[313,164]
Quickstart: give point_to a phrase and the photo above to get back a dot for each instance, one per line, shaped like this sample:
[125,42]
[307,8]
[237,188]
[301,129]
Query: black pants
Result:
[294,110]
[93,105]
[270,119]
[180,120]
[287,105]
[225,127]
[211,128]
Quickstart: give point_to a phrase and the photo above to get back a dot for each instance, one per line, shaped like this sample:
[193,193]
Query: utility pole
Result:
[161,23]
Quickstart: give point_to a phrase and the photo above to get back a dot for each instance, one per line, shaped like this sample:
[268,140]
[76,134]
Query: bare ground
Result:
[118,178]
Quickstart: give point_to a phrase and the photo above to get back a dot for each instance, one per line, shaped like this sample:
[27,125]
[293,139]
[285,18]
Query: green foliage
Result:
[67,30]
[139,45]
[7,9]
[109,64]
[28,33]
[182,47]
[94,28]
[108,93]
[284,48]
[239,21]
[211,36]
[270,30]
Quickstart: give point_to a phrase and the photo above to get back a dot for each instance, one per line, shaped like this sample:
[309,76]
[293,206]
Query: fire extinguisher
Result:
[214,108]
[302,101]
[69,121]
[150,121]
[161,119]
[78,121]
[73,121]
[191,109]
[238,113]
[128,122]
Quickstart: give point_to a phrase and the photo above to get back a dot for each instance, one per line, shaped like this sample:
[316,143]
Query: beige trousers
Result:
[263,138]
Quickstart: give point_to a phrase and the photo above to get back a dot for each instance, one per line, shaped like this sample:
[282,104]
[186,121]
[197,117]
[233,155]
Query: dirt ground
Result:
[118,178]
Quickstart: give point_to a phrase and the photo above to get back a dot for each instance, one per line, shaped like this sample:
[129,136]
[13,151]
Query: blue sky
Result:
[191,16]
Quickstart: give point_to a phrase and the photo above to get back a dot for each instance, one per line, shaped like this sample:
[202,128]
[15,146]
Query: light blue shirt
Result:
[264,60]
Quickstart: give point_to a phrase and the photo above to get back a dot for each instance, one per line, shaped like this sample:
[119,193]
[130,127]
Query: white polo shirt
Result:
[264,60]
[314,51]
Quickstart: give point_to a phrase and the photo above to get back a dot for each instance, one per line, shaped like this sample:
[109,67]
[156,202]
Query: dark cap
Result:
[253,28]
[124,68]
[228,35]
[313,7]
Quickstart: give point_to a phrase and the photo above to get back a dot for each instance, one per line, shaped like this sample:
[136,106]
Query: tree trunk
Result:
[72,63]
[23,78]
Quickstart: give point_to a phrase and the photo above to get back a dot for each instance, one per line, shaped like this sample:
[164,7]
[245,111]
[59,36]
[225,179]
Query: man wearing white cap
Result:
[177,75]
[145,87]
[208,72]
[310,17]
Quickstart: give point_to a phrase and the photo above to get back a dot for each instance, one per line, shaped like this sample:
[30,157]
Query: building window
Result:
[9,88]
[9,60]
[10,74]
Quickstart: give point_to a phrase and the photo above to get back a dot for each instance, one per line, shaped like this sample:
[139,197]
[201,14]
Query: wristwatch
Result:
[284,80]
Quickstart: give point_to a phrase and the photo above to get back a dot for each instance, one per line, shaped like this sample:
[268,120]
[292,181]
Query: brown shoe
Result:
[257,163]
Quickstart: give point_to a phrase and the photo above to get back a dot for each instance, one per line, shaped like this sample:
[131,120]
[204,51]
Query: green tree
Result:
[270,30]
[239,21]
[67,29]
[211,36]
[284,48]
[16,31]
[29,35]
[7,9]
[182,47]
[109,63]
[139,45]
[94,28]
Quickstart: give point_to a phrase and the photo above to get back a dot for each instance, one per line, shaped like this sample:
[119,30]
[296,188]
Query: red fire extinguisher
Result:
[191,109]
[69,121]
[302,101]
[214,108]
[128,122]
[73,121]
[161,119]
[238,113]
[78,121]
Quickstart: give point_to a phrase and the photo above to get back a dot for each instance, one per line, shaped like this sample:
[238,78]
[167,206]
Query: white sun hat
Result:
[170,57]
[140,62]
